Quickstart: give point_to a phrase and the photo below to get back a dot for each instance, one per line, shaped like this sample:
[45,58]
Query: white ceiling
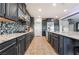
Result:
[48,10]
[74,18]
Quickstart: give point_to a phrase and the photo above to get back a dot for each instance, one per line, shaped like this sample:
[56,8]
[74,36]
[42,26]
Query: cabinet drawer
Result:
[11,11]
[5,44]
[76,43]
[10,50]
[2,9]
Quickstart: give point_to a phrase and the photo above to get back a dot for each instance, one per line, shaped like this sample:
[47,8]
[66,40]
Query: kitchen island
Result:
[64,43]
[15,44]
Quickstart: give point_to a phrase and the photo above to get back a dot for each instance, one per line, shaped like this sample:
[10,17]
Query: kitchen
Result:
[28,28]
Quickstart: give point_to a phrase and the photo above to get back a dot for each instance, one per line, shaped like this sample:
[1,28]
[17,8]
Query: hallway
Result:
[40,46]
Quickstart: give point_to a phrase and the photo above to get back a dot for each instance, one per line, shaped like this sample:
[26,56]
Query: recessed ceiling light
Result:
[56,16]
[65,10]
[39,16]
[54,4]
[39,9]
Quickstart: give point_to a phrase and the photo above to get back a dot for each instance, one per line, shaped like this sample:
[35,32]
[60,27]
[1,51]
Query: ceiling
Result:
[74,17]
[48,10]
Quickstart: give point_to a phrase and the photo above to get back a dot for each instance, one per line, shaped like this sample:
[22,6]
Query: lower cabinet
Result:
[68,46]
[76,47]
[9,48]
[16,46]
[49,37]
[24,42]
[27,40]
[55,41]
[20,44]
[63,45]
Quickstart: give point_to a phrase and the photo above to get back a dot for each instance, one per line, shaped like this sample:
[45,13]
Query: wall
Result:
[64,25]
[50,26]
[75,19]
[38,26]
[72,22]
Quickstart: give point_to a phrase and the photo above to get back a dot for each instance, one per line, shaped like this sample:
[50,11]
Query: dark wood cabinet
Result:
[14,11]
[24,8]
[2,9]
[28,40]
[16,46]
[55,41]
[20,44]
[11,11]
[9,48]
[49,37]
[23,42]
[68,46]
[11,51]
[63,45]
[20,5]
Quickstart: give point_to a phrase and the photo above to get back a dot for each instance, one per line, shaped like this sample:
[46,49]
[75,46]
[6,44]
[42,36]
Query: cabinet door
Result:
[24,43]
[28,40]
[24,8]
[21,46]
[20,5]
[61,45]
[2,9]
[56,42]
[49,37]
[29,37]
[11,10]
[68,46]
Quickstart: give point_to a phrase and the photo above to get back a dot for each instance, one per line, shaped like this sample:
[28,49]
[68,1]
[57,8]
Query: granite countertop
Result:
[74,35]
[7,37]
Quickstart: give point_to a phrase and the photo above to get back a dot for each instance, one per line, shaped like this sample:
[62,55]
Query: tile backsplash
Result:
[11,27]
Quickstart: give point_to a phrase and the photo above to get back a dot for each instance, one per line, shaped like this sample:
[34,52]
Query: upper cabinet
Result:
[20,5]
[14,11]
[11,11]
[24,8]
[22,12]
[2,9]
